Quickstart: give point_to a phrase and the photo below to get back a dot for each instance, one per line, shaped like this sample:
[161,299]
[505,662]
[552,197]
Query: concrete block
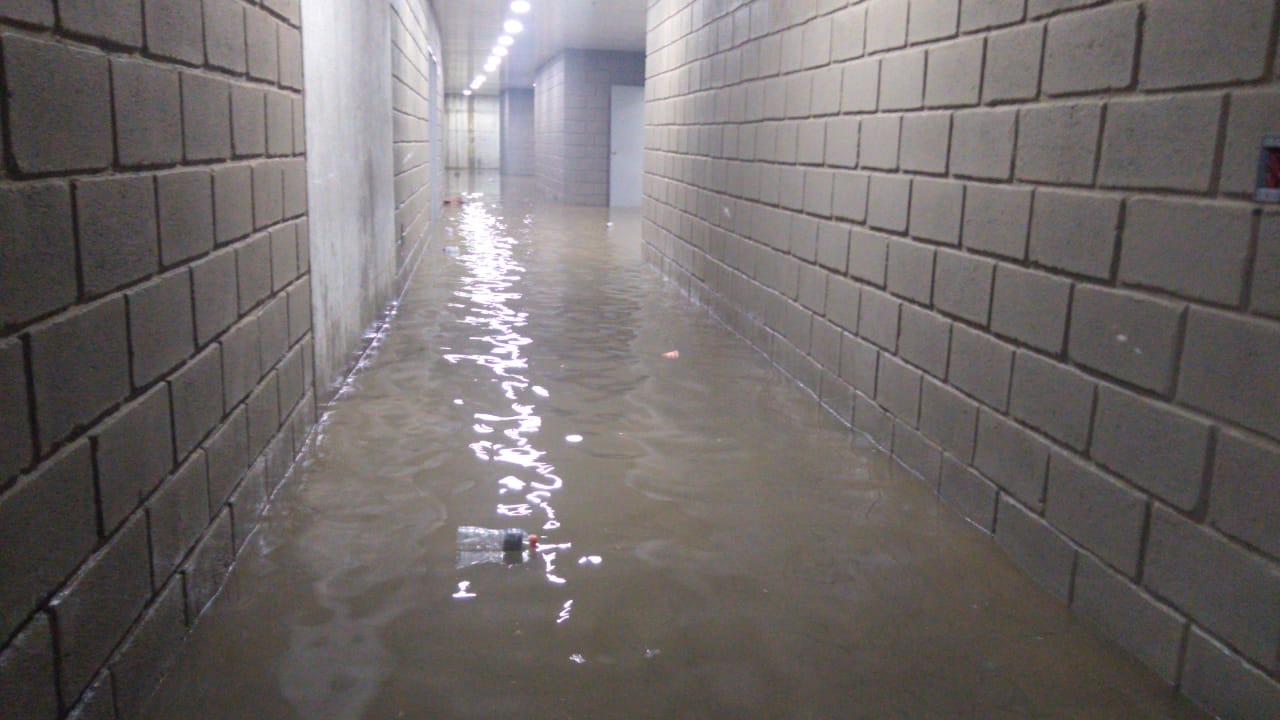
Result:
[849,196]
[253,270]
[925,142]
[80,366]
[1215,677]
[133,451]
[16,435]
[1035,547]
[1164,143]
[284,256]
[224,34]
[1099,513]
[1140,623]
[206,117]
[304,246]
[149,651]
[962,285]
[932,20]
[241,361]
[1196,249]
[48,525]
[1228,369]
[248,121]
[34,12]
[886,24]
[289,10]
[888,202]
[1075,232]
[1178,52]
[1157,447]
[1223,587]
[289,42]
[902,80]
[160,326]
[292,383]
[910,270]
[837,397]
[968,492]
[955,73]
[983,14]
[1041,8]
[815,41]
[232,202]
[1126,336]
[1013,458]
[879,141]
[147,106]
[878,319]
[924,340]
[861,86]
[791,188]
[27,674]
[227,454]
[848,33]
[95,609]
[1057,143]
[263,415]
[209,565]
[273,329]
[980,366]
[299,309]
[38,255]
[813,142]
[117,222]
[97,702]
[248,502]
[1252,114]
[871,420]
[817,192]
[116,22]
[1052,398]
[833,246]
[1092,50]
[859,364]
[213,284]
[174,30]
[268,194]
[936,210]
[279,123]
[982,143]
[842,136]
[1031,307]
[186,215]
[949,418]
[1244,491]
[917,454]
[1013,64]
[898,389]
[263,47]
[996,219]
[1265,290]
[195,392]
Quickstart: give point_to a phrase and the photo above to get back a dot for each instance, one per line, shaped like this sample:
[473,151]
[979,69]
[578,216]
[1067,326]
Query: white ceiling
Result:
[470,28]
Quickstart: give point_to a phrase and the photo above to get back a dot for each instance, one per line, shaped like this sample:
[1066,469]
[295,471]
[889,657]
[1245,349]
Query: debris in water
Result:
[650,653]
[673,355]
[464,591]
[590,560]
[576,657]
[451,250]
[573,438]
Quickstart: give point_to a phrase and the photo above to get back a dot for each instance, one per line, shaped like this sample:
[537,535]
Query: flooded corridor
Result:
[714,543]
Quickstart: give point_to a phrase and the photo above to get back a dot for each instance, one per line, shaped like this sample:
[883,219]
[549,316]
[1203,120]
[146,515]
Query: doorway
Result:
[626,145]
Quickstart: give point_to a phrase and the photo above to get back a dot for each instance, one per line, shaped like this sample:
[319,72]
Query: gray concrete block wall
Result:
[1057,301]
[153,239]
[571,121]
[517,130]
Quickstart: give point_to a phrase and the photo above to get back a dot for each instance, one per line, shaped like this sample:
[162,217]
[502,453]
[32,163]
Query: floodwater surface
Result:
[715,544]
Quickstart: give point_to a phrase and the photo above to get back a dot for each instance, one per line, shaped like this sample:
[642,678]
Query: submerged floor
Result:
[716,546]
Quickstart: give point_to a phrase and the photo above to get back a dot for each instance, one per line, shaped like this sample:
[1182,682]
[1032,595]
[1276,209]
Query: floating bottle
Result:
[478,539]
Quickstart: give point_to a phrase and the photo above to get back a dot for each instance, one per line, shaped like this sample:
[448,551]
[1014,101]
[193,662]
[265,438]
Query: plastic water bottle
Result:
[478,539]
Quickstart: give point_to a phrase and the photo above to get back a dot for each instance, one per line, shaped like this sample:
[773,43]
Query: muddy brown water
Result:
[716,545]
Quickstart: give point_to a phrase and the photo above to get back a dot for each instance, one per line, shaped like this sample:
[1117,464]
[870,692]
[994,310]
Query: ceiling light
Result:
[478,81]
[513,27]
[506,40]
[499,51]
[466,92]
[491,66]
[521,7]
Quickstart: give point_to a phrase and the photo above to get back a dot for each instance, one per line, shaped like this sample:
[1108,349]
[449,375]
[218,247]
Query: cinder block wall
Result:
[474,127]
[415,49]
[1013,242]
[517,132]
[571,121]
[155,337]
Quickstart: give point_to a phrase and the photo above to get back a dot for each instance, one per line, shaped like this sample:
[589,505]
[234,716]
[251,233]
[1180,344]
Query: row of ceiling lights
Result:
[510,28]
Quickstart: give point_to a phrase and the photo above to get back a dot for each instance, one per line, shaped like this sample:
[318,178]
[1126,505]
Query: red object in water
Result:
[673,355]
[1273,168]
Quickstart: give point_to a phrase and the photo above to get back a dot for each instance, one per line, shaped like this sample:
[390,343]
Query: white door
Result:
[626,145]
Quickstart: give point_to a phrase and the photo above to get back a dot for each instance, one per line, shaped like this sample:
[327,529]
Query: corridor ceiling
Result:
[470,28]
